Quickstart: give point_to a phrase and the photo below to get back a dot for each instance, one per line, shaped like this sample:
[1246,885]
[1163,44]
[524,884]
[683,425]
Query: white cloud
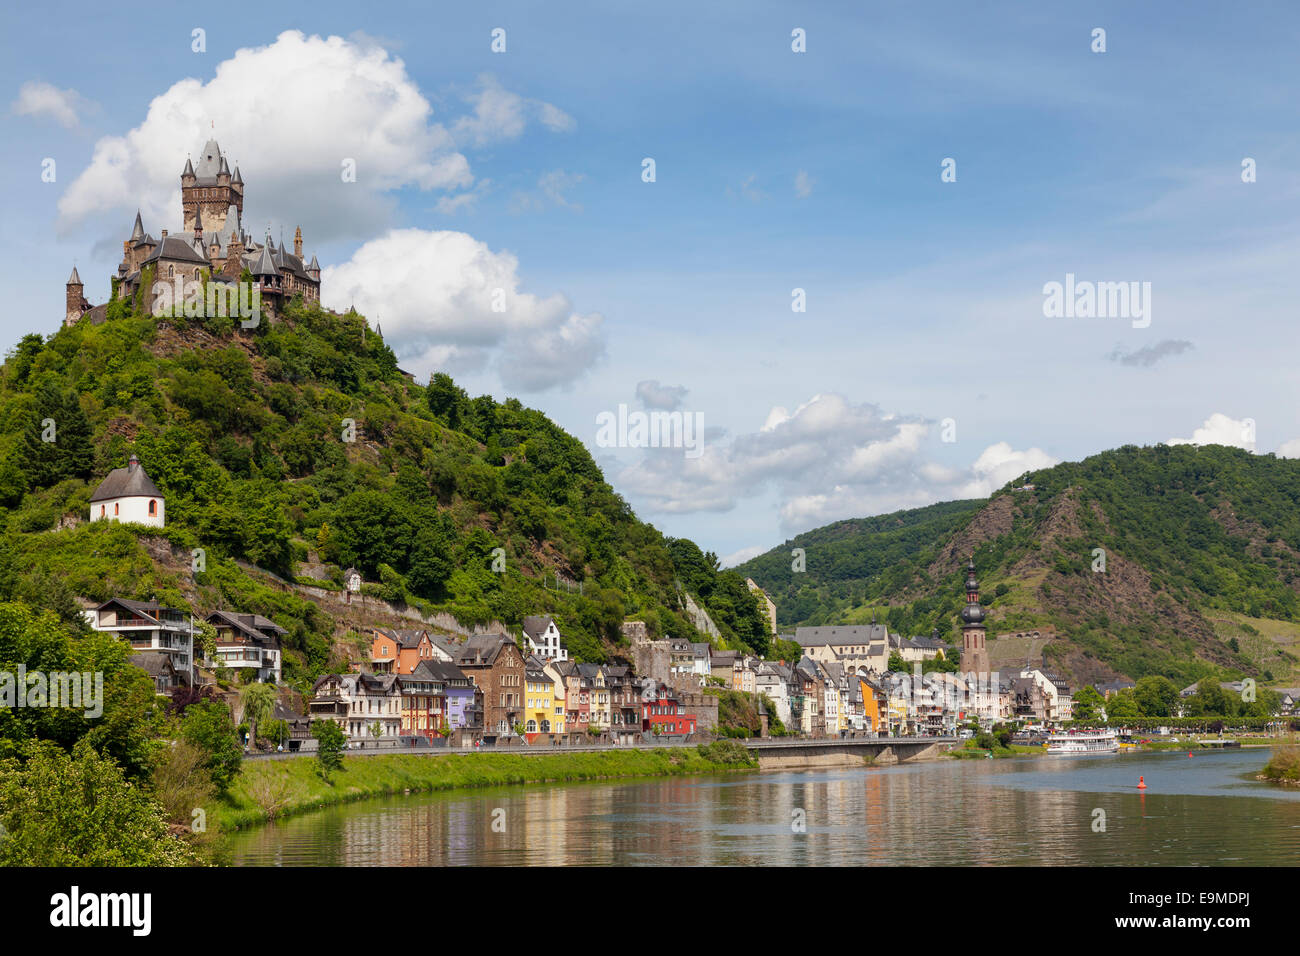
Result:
[1289,449]
[828,459]
[803,184]
[743,555]
[1000,463]
[1219,429]
[552,187]
[664,397]
[289,114]
[434,292]
[502,115]
[40,99]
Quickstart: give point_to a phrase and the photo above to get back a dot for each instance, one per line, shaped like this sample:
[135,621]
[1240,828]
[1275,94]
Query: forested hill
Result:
[1202,566]
[246,433]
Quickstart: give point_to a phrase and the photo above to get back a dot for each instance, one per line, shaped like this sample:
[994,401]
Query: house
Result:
[832,674]
[722,666]
[807,704]
[149,627]
[857,645]
[458,691]
[577,696]
[624,703]
[496,667]
[248,642]
[159,668]
[662,714]
[917,649]
[539,700]
[398,651]
[875,703]
[1290,697]
[596,685]
[543,639]
[128,495]
[560,695]
[772,680]
[365,706]
[1058,704]
[424,698]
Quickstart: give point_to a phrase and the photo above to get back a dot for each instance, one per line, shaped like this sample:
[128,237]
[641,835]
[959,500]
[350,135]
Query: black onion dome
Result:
[972,614]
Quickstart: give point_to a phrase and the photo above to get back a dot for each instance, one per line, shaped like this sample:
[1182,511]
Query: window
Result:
[153,507]
[102,511]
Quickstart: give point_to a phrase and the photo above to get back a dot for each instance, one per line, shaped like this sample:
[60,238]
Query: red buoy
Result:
[1189,753]
[1142,783]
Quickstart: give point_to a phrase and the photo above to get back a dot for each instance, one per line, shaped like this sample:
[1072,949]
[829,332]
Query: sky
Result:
[824,236]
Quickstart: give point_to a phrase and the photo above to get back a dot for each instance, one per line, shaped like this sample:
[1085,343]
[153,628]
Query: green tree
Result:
[329,746]
[78,809]
[258,701]
[1121,706]
[208,726]
[1088,704]
[1156,696]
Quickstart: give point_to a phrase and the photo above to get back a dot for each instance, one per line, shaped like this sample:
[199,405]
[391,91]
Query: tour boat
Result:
[1074,744]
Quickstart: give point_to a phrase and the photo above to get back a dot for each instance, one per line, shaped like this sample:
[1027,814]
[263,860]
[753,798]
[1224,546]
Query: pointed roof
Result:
[189,168]
[315,266]
[238,178]
[209,162]
[223,168]
[127,482]
[74,279]
[198,219]
[265,265]
[137,232]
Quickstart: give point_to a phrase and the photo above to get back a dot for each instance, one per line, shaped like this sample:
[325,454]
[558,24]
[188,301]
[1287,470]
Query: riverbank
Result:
[272,789]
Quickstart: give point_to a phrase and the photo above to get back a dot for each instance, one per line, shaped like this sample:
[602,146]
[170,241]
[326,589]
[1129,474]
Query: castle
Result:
[212,241]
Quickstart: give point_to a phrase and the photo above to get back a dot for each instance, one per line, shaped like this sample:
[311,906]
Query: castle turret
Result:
[297,242]
[75,300]
[187,174]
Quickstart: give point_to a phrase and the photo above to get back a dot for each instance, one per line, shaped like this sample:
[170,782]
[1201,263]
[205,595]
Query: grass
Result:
[270,789]
[970,752]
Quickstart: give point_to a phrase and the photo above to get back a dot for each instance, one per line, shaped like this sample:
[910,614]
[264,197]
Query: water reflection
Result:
[1036,811]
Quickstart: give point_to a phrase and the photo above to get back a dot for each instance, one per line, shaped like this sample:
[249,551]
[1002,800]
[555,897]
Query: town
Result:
[421,688]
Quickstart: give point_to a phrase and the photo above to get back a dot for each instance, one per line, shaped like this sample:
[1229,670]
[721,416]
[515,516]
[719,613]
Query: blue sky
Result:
[775,170]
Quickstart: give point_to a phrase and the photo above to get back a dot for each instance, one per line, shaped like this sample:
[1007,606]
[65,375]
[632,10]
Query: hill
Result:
[1201,573]
[294,450]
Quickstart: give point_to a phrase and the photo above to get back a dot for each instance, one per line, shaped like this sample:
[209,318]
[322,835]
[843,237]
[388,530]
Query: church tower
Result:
[974,655]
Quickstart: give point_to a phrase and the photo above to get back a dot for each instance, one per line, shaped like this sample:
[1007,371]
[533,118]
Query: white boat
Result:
[1074,744]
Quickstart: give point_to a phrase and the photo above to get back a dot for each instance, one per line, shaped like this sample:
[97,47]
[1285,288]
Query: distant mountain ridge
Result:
[1201,550]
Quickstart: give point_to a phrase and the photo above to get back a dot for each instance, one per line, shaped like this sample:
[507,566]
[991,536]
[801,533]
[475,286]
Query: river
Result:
[1038,811]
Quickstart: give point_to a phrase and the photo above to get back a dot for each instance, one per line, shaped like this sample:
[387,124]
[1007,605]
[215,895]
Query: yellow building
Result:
[541,715]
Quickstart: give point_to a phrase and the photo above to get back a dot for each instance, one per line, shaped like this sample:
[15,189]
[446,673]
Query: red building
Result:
[663,710]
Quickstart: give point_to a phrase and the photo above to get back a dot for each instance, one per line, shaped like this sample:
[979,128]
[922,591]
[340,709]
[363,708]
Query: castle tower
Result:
[75,299]
[211,187]
[974,654]
[297,242]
